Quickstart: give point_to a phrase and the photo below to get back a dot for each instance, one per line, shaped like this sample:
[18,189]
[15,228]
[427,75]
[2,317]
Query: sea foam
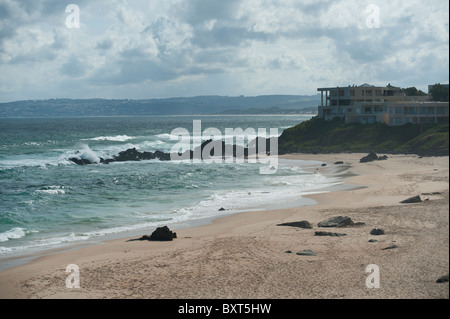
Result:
[117,138]
[13,233]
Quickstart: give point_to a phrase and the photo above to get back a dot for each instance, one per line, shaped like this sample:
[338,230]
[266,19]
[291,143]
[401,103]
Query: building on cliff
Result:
[371,104]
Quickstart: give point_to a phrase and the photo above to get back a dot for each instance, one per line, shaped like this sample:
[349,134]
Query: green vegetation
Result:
[439,93]
[318,135]
[413,91]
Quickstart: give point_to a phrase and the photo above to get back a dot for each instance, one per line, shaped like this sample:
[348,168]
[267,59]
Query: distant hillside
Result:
[273,110]
[169,106]
[317,135]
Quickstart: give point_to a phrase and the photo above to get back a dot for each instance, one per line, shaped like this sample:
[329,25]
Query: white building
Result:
[370,104]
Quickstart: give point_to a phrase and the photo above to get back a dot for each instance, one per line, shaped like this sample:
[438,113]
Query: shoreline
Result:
[243,255]
[20,259]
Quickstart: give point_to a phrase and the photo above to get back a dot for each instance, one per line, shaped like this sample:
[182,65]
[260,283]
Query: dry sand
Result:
[244,255]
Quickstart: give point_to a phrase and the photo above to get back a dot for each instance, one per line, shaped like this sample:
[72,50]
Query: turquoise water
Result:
[48,201]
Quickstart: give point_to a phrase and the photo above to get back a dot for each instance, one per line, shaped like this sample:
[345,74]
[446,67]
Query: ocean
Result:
[47,201]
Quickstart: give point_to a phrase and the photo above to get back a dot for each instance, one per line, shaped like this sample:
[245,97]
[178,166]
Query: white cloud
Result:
[143,49]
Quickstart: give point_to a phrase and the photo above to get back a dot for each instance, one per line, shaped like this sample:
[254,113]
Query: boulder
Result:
[338,221]
[377,231]
[307,252]
[326,233]
[414,199]
[339,162]
[221,209]
[442,279]
[300,224]
[160,234]
[372,156]
[163,234]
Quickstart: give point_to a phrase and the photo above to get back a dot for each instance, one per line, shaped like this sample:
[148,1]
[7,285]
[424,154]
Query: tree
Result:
[413,91]
[439,93]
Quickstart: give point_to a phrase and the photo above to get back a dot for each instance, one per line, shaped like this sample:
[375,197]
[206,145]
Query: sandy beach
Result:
[246,255]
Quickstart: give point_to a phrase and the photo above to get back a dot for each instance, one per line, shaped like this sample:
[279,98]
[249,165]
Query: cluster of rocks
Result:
[372,156]
[206,150]
[337,222]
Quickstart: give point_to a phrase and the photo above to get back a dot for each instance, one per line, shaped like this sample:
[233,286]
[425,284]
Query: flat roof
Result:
[361,86]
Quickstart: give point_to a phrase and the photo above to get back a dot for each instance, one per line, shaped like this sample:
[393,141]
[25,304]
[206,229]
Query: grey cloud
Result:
[133,70]
[226,36]
[104,44]
[42,56]
[198,11]
[73,68]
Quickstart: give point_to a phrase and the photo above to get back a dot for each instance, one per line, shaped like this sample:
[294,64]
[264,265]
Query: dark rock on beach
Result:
[325,233]
[163,234]
[160,234]
[338,221]
[442,279]
[307,252]
[300,224]
[377,231]
[339,162]
[414,199]
[221,209]
[372,156]
[390,247]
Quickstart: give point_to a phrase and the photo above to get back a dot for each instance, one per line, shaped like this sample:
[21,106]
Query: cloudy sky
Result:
[166,48]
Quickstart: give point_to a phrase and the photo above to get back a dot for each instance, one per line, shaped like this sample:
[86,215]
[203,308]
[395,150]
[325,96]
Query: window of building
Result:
[358,110]
[398,110]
